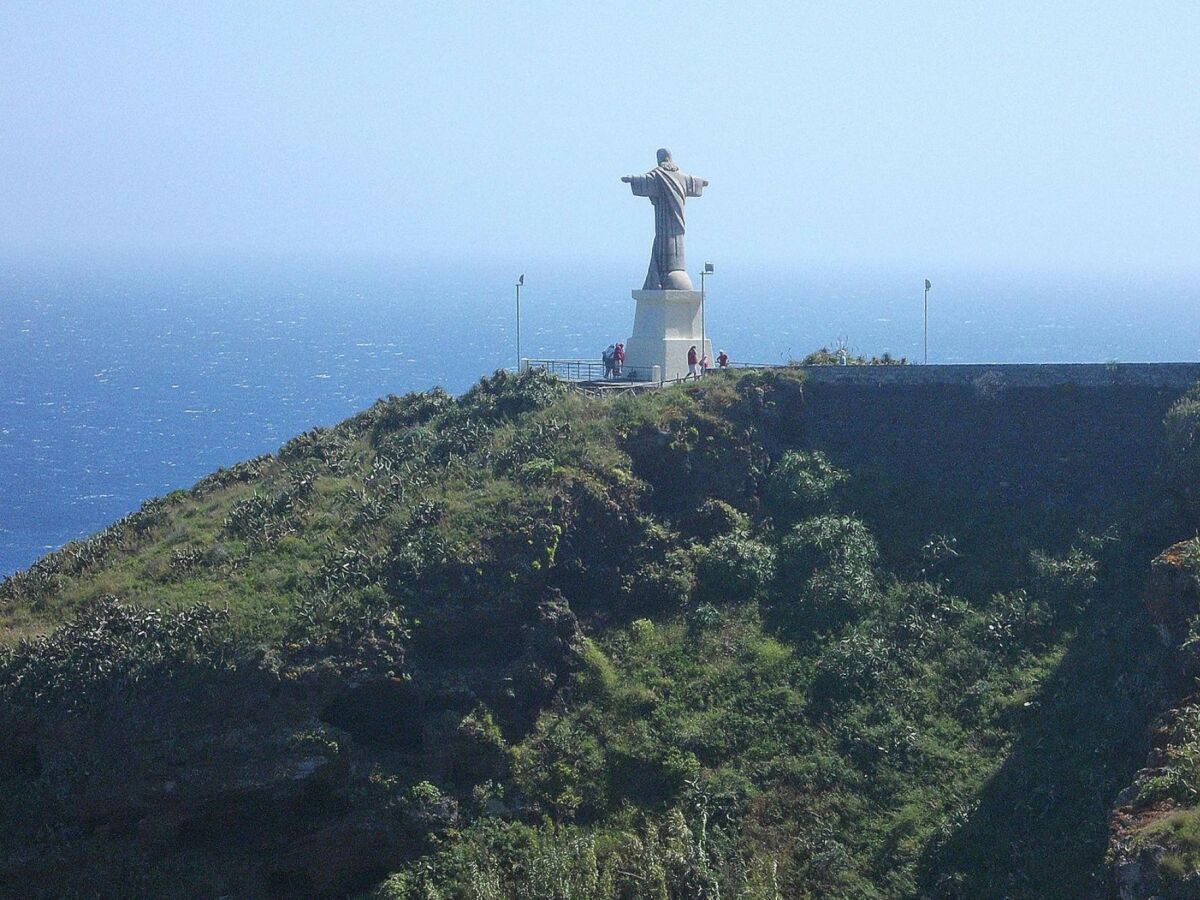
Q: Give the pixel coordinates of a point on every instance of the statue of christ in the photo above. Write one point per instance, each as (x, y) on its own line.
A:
(667, 189)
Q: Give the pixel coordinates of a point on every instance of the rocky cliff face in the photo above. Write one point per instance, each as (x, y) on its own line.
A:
(259, 774)
(1153, 851)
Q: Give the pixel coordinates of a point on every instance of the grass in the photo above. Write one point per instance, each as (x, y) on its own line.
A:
(1179, 835)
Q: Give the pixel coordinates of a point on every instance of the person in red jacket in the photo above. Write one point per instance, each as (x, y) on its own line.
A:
(618, 360)
(693, 362)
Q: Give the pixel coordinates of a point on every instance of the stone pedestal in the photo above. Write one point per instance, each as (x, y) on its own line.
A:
(665, 325)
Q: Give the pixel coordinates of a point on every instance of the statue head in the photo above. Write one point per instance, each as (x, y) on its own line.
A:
(664, 160)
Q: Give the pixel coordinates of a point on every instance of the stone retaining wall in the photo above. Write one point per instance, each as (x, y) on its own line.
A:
(1075, 442)
(1179, 376)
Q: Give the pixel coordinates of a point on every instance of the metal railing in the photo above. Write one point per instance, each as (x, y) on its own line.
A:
(591, 370)
(569, 369)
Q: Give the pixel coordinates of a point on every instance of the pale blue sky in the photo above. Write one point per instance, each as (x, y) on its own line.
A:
(1047, 135)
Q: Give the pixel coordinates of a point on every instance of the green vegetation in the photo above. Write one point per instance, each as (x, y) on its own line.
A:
(841, 357)
(524, 643)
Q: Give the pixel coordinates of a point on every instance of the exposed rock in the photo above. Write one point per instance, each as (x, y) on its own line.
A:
(1141, 843)
(1173, 594)
(262, 778)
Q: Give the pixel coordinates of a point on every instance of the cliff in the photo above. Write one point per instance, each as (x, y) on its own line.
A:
(772, 635)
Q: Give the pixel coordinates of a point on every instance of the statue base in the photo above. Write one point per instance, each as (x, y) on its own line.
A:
(665, 325)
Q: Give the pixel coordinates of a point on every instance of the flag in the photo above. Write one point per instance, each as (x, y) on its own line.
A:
(521, 280)
(927, 284)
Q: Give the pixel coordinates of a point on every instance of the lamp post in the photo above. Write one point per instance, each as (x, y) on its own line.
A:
(707, 270)
(928, 285)
(520, 284)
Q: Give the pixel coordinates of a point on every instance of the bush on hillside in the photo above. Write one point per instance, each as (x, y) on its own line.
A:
(840, 357)
(714, 517)
(733, 568)
(506, 396)
(1066, 580)
(1014, 621)
(659, 585)
(825, 575)
(395, 413)
(109, 648)
(801, 484)
(1182, 425)
(562, 768)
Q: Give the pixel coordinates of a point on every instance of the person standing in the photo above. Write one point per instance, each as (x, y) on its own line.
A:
(693, 362)
(607, 358)
(618, 360)
(722, 360)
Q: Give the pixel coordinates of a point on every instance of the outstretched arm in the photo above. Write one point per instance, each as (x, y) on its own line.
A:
(639, 184)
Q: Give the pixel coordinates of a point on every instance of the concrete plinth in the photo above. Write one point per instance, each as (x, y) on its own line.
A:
(665, 325)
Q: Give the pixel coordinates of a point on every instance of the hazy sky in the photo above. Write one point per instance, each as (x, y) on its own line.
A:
(1061, 135)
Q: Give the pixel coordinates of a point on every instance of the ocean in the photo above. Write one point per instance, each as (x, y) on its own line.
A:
(122, 382)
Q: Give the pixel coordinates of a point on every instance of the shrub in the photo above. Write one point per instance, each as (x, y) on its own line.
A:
(598, 677)
(394, 413)
(505, 395)
(842, 357)
(659, 585)
(1065, 580)
(363, 624)
(704, 617)
(328, 447)
(1014, 620)
(713, 518)
(733, 568)
(470, 750)
(849, 666)
(826, 572)
(109, 648)
(426, 808)
(801, 484)
(1182, 425)
(536, 471)
(533, 443)
(562, 768)
(1178, 777)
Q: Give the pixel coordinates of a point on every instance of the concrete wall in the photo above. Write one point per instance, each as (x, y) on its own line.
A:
(1073, 442)
(1173, 376)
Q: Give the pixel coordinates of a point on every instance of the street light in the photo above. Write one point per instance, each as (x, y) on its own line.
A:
(520, 283)
(928, 285)
(707, 270)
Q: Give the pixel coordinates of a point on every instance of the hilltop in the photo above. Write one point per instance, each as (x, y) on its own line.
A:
(723, 639)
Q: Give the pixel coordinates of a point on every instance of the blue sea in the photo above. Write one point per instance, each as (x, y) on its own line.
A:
(122, 382)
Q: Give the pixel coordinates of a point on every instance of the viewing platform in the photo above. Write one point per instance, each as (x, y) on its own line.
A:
(590, 374)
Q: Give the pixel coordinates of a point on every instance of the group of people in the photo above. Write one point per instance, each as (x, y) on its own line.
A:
(613, 358)
(698, 365)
